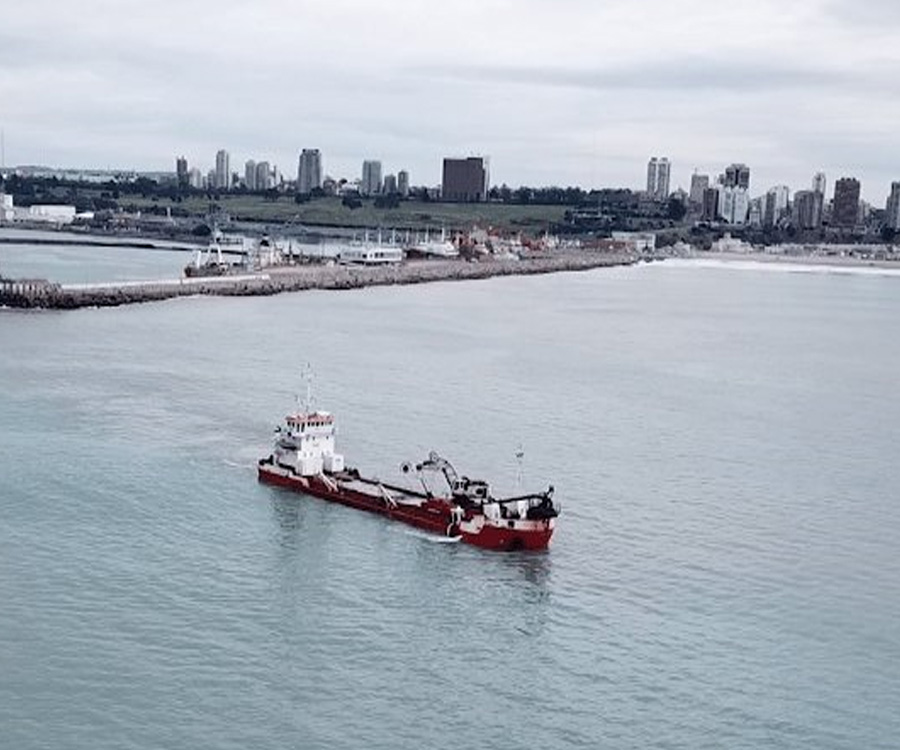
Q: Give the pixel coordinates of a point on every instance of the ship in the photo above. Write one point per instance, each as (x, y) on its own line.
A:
(433, 248)
(211, 263)
(367, 253)
(303, 459)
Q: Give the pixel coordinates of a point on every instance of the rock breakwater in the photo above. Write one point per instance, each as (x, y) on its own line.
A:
(43, 294)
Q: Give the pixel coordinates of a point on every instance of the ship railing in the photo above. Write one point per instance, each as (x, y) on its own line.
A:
(387, 496)
(328, 482)
(533, 498)
(523, 505)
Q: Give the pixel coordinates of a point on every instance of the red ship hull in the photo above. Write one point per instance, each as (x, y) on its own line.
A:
(431, 514)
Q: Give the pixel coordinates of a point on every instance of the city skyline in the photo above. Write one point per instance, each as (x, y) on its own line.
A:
(704, 86)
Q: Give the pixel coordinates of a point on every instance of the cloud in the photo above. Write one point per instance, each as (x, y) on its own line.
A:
(876, 14)
(694, 73)
(567, 92)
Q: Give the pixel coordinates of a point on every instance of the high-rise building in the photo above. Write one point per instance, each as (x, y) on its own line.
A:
(390, 184)
(845, 209)
(195, 178)
(371, 178)
(737, 175)
(403, 182)
(465, 180)
(755, 213)
(263, 176)
(711, 204)
(892, 210)
(819, 183)
(223, 171)
(250, 175)
(658, 172)
(181, 172)
(808, 209)
(776, 205)
(770, 212)
(309, 171)
(699, 183)
(734, 204)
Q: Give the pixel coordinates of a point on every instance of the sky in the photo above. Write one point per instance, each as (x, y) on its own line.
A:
(555, 92)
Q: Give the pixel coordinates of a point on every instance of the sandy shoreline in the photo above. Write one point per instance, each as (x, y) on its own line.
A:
(837, 261)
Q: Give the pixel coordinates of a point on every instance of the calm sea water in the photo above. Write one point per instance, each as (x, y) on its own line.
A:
(726, 571)
(83, 264)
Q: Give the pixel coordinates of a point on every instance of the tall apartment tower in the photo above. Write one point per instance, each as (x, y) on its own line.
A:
(819, 183)
(737, 175)
(734, 204)
(710, 211)
(776, 204)
(465, 180)
(658, 172)
(309, 171)
(195, 178)
(371, 178)
(892, 210)
(250, 175)
(263, 176)
(808, 206)
(403, 183)
(223, 170)
(699, 183)
(845, 209)
(181, 172)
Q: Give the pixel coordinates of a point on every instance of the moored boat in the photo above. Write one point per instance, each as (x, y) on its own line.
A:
(303, 459)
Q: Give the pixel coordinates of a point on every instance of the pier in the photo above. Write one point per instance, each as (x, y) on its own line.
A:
(42, 294)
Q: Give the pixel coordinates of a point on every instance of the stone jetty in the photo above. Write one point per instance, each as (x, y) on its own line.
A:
(36, 293)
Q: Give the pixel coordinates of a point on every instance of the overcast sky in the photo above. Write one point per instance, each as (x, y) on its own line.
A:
(554, 91)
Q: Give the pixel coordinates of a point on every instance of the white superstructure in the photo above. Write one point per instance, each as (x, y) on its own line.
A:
(306, 444)
(370, 253)
(441, 248)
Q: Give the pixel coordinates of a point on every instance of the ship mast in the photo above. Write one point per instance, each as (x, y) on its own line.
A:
(520, 474)
(307, 376)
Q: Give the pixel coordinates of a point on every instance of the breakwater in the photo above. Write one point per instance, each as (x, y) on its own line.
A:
(44, 294)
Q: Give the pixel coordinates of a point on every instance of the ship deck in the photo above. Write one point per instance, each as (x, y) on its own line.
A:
(377, 489)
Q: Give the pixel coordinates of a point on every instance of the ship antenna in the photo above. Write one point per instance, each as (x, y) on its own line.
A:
(308, 377)
(520, 457)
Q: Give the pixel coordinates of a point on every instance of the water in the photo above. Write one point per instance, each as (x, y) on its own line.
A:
(85, 264)
(92, 264)
(725, 571)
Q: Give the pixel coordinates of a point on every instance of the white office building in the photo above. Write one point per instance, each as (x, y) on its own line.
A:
(7, 209)
(734, 205)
